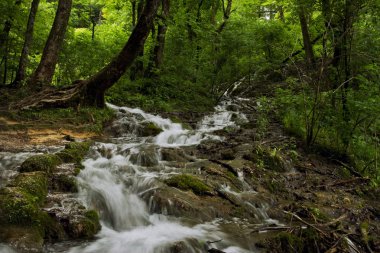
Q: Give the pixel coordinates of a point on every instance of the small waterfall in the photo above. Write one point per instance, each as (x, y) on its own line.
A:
(9, 163)
(118, 173)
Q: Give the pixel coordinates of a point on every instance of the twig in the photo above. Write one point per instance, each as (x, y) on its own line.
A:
(209, 242)
(305, 222)
(352, 170)
(260, 230)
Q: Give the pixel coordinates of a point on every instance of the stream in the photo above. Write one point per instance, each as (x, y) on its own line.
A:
(122, 173)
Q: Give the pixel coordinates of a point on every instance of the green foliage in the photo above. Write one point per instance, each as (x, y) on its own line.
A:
(356, 138)
(189, 182)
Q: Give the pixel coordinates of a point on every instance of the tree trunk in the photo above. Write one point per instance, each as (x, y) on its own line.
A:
(306, 37)
(20, 75)
(226, 15)
(158, 51)
(138, 69)
(91, 92)
(4, 36)
(45, 70)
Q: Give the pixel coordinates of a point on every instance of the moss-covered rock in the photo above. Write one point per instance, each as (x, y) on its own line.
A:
(23, 239)
(84, 226)
(33, 183)
(53, 230)
(149, 129)
(17, 206)
(46, 163)
(64, 183)
(189, 182)
(74, 152)
(270, 159)
(174, 155)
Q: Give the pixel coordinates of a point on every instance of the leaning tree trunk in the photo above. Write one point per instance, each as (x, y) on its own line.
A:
(43, 75)
(91, 92)
(20, 74)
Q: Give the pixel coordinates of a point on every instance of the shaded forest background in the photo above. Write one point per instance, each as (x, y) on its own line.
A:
(315, 63)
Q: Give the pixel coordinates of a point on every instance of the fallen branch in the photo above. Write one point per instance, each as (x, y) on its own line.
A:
(306, 223)
(264, 229)
(352, 170)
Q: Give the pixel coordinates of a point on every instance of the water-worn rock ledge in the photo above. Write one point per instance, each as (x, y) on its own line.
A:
(32, 210)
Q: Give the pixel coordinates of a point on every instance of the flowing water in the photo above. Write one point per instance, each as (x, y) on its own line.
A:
(121, 174)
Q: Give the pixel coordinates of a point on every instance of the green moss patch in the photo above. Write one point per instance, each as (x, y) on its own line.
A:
(74, 152)
(18, 206)
(85, 226)
(46, 163)
(270, 159)
(189, 182)
(33, 183)
(150, 129)
(64, 183)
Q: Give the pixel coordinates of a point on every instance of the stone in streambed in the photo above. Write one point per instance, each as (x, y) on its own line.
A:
(189, 182)
(74, 152)
(46, 163)
(149, 129)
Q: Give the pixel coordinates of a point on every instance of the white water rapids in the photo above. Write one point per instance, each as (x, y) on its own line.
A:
(120, 176)
(115, 178)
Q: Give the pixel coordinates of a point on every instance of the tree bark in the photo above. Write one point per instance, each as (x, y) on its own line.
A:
(158, 51)
(226, 15)
(20, 74)
(138, 68)
(43, 75)
(306, 37)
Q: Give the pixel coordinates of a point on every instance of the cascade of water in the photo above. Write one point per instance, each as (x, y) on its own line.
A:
(117, 174)
(9, 163)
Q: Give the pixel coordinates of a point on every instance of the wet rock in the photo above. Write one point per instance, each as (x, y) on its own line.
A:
(174, 154)
(64, 183)
(74, 152)
(46, 163)
(189, 182)
(149, 129)
(33, 183)
(70, 216)
(232, 108)
(146, 157)
(22, 239)
(17, 206)
(83, 226)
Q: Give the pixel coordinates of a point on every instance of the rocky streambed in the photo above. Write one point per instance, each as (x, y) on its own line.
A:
(152, 185)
